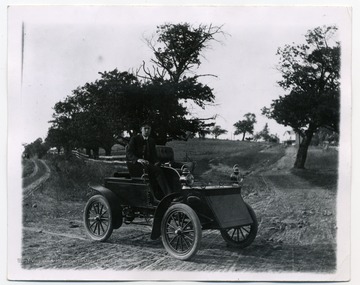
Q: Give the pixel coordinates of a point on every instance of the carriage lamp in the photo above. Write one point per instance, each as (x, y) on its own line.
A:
(185, 169)
(186, 177)
(235, 176)
(145, 176)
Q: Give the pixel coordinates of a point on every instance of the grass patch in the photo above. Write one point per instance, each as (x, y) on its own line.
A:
(320, 159)
(197, 149)
(321, 168)
(213, 158)
(320, 178)
(70, 178)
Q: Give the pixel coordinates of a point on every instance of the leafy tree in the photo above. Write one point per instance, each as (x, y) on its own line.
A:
(158, 101)
(66, 130)
(310, 74)
(55, 138)
(161, 103)
(205, 129)
(101, 112)
(274, 138)
(177, 50)
(218, 131)
(263, 134)
(116, 100)
(245, 126)
(266, 136)
(323, 136)
(36, 148)
(94, 114)
(61, 133)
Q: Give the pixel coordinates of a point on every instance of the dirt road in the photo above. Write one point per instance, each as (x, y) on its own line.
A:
(297, 233)
(41, 172)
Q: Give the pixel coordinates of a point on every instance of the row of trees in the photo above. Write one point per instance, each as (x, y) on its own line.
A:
(246, 126)
(110, 109)
(99, 113)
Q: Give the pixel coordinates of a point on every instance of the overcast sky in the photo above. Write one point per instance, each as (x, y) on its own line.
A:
(65, 47)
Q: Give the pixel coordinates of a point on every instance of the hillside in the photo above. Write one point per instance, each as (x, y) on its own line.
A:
(296, 211)
(215, 158)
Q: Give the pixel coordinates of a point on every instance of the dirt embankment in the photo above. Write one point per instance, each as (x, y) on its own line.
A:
(297, 232)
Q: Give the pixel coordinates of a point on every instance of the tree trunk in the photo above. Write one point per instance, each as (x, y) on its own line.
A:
(303, 149)
(107, 151)
(88, 151)
(243, 138)
(67, 151)
(96, 152)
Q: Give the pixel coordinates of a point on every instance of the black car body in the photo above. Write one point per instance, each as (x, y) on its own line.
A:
(179, 217)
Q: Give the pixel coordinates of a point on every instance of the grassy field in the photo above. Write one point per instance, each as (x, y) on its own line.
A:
(320, 168)
(318, 158)
(214, 160)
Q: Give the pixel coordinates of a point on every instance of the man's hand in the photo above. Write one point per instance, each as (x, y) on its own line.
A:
(143, 161)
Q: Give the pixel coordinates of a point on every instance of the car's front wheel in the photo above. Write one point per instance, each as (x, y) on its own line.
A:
(98, 218)
(181, 231)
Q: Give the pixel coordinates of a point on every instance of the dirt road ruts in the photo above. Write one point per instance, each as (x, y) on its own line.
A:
(39, 175)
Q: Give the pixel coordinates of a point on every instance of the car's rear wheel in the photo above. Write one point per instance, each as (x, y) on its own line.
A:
(181, 231)
(98, 218)
(242, 236)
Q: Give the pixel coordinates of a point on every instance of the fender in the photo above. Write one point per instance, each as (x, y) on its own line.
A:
(115, 205)
(160, 212)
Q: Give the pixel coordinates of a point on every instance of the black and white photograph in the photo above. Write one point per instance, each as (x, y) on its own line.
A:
(179, 143)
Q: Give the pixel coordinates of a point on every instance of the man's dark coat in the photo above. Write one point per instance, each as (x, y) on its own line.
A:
(138, 147)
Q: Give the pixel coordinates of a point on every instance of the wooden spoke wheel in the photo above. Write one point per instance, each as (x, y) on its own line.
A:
(181, 231)
(242, 236)
(98, 218)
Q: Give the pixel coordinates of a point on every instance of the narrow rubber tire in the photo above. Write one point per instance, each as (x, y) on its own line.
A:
(181, 231)
(98, 218)
(242, 236)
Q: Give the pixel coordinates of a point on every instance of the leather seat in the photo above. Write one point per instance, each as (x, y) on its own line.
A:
(166, 154)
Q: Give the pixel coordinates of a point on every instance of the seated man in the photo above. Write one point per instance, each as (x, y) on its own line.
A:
(141, 151)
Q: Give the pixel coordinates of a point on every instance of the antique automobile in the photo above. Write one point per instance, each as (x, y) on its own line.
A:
(180, 217)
